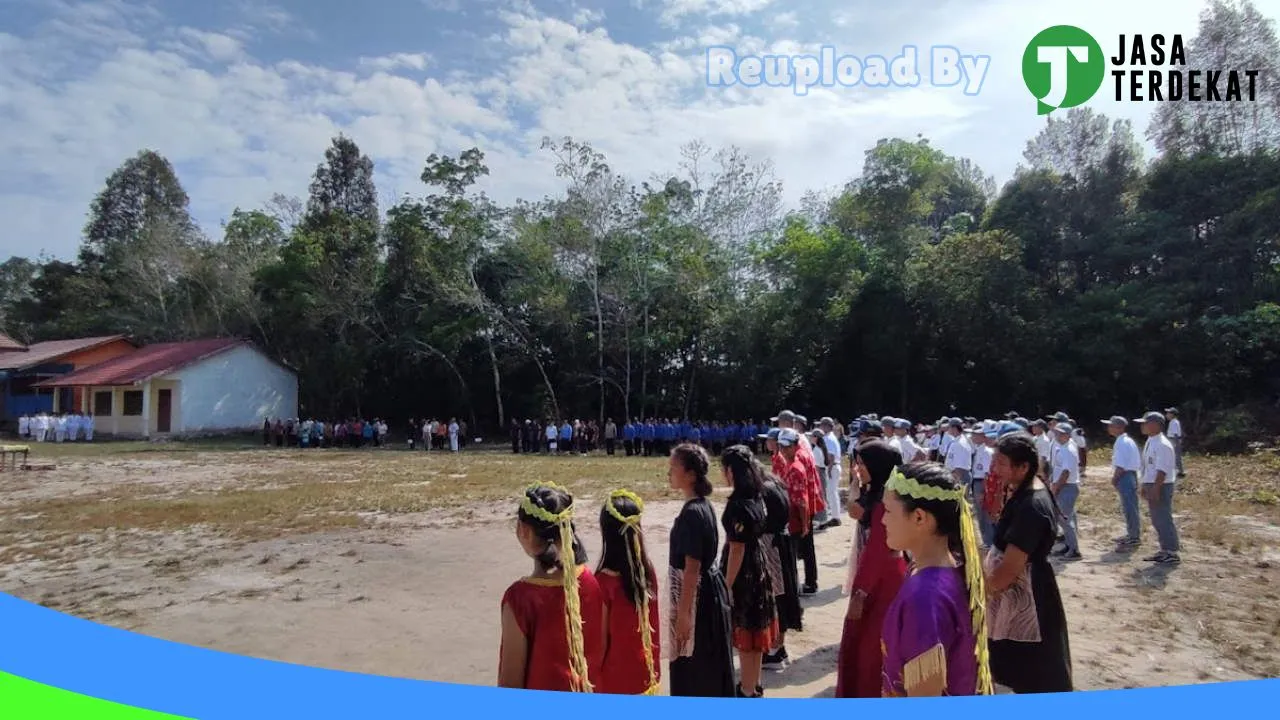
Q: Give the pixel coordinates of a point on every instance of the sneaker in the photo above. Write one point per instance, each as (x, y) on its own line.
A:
(809, 590)
(1072, 557)
(1169, 559)
(1158, 557)
(833, 523)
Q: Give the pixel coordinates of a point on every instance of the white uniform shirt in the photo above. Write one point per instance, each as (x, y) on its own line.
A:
(1175, 429)
(24, 425)
(982, 462)
(1125, 455)
(909, 449)
(960, 454)
(1068, 461)
(833, 450)
(1157, 456)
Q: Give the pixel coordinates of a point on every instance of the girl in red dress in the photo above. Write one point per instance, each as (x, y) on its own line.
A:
(629, 586)
(552, 631)
(880, 573)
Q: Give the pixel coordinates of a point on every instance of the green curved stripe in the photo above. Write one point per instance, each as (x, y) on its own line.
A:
(22, 699)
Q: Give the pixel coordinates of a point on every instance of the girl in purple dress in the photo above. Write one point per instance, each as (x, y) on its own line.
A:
(934, 637)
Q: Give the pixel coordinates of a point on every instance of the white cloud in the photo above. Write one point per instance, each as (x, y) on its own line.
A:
(396, 61)
(85, 90)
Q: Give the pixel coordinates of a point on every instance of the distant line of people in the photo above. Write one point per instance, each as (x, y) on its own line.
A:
(50, 427)
(651, 438)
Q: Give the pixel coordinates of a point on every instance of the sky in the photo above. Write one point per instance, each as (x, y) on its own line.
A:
(244, 97)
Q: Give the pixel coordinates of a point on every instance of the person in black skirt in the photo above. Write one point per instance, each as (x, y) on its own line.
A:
(1030, 650)
(698, 611)
(754, 620)
(781, 558)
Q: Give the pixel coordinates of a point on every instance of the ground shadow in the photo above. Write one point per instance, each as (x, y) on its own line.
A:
(826, 692)
(1153, 576)
(1118, 556)
(823, 597)
(810, 667)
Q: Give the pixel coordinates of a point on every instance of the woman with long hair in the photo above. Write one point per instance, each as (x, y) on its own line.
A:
(743, 562)
(551, 629)
(701, 636)
(879, 574)
(629, 586)
(1030, 650)
(935, 631)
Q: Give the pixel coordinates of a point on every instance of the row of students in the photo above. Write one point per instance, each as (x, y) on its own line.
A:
(44, 427)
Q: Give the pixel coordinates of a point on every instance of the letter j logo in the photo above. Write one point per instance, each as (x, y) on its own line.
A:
(1063, 67)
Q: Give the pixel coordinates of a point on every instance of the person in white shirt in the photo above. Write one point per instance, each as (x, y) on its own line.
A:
(946, 437)
(1175, 436)
(1159, 468)
(1044, 448)
(933, 442)
(959, 453)
(453, 435)
(1066, 489)
(60, 428)
(911, 452)
(24, 427)
(1126, 463)
(88, 427)
(1082, 445)
(982, 453)
(835, 470)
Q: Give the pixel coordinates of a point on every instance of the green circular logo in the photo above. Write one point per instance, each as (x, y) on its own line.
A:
(1063, 67)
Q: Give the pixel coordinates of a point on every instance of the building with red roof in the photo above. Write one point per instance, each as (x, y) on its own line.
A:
(199, 386)
(23, 368)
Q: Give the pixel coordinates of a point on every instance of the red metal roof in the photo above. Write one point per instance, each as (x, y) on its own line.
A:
(148, 362)
(46, 352)
(8, 343)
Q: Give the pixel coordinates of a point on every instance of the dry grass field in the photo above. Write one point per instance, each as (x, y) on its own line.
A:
(391, 562)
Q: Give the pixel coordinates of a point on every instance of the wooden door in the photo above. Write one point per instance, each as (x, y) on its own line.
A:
(164, 411)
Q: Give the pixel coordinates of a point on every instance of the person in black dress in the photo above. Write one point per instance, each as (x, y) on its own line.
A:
(698, 611)
(782, 567)
(1030, 651)
(743, 562)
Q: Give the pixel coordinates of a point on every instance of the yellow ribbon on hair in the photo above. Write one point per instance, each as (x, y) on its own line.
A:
(579, 679)
(639, 580)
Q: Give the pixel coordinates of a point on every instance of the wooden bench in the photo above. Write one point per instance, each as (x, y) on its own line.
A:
(7, 451)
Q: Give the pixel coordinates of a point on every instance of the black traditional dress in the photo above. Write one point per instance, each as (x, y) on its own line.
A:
(781, 556)
(702, 667)
(755, 623)
(1030, 652)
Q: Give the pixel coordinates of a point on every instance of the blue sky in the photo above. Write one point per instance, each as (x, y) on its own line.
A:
(243, 97)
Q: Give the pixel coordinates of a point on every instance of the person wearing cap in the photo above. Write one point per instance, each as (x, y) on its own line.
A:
(1044, 448)
(821, 461)
(789, 420)
(933, 441)
(1082, 446)
(982, 452)
(835, 471)
(1159, 475)
(1126, 462)
(911, 452)
(959, 453)
(1175, 436)
(1065, 487)
(805, 499)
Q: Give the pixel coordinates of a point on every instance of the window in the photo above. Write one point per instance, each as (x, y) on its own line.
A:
(132, 403)
(102, 403)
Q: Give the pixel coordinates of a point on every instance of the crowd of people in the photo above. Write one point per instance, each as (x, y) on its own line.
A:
(56, 427)
(951, 589)
(429, 434)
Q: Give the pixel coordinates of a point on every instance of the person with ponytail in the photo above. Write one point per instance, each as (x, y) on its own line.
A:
(1030, 649)
(701, 647)
(552, 634)
(629, 587)
(935, 632)
(745, 566)
(879, 573)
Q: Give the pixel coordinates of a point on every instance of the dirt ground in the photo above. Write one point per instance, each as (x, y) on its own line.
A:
(393, 563)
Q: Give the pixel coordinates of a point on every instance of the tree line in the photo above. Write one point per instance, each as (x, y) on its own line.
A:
(1095, 279)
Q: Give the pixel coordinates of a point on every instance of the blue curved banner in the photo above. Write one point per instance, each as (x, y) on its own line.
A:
(43, 651)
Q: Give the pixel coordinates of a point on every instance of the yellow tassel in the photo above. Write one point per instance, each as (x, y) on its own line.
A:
(641, 583)
(580, 679)
(926, 666)
(975, 579)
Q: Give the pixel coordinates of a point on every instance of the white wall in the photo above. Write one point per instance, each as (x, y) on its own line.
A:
(233, 390)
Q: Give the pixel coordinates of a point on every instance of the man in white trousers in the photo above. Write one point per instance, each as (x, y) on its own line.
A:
(835, 471)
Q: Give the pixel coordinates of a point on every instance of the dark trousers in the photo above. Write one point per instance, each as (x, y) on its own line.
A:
(515, 446)
(809, 556)
(608, 446)
(627, 445)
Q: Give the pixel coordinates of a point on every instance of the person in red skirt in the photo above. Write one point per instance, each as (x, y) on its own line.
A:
(629, 586)
(552, 634)
(743, 562)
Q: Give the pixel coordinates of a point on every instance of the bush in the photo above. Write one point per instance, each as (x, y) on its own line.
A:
(1233, 430)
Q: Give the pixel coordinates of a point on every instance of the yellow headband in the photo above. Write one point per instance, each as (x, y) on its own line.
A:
(632, 521)
(907, 487)
(533, 511)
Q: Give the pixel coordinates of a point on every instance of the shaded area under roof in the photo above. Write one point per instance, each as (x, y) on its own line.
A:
(8, 344)
(146, 363)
